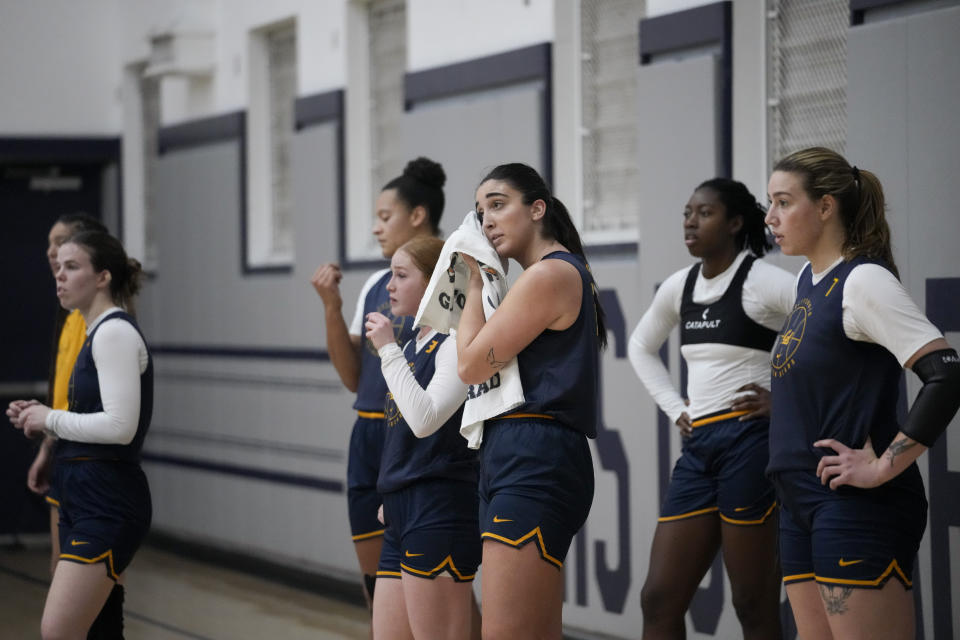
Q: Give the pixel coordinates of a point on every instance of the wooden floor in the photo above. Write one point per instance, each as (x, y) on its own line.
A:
(170, 598)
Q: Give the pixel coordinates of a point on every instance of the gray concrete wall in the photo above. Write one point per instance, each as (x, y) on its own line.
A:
(269, 414)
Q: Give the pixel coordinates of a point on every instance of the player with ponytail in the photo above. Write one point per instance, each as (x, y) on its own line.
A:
(536, 472)
(853, 503)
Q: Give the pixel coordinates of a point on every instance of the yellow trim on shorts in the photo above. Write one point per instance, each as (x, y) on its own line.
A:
(433, 572)
(799, 577)
(525, 415)
(389, 574)
(52, 502)
(762, 519)
(702, 422)
(371, 414)
(894, 565)
(682, 516)
(106, 556)
(364, 536)
(521, 540)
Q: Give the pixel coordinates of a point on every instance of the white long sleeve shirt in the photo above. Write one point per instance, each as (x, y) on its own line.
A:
(356, 323)
(716, 371)
(878, 309)
(120, 356)
(425, 410)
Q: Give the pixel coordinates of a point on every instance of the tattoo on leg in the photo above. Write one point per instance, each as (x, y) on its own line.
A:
(493, 362)
(897, 447)
(835, 598)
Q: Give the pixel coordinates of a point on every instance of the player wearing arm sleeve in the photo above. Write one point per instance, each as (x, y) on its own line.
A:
(854, 508)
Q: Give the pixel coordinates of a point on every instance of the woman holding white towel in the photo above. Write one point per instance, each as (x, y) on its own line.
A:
(428, 476)
(536, 472)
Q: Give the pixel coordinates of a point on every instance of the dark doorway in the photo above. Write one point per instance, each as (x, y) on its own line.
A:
(32, 196)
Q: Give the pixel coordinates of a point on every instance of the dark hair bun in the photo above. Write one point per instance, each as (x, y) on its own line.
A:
(426, 171)
(106, 253)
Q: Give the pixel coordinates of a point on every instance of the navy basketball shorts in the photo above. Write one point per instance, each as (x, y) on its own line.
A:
(536, 485)
(363, 468)
(849, 537)
(721, 469)
(105, 512)
(431, 530)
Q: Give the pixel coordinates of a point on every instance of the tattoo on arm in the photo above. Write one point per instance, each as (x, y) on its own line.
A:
(835, 598)
(493, 362)
(897, 447)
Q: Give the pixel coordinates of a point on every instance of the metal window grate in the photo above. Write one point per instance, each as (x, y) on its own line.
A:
(807, 75)
(282, 75)
(388, 60)
(610, 51)
(150, 121)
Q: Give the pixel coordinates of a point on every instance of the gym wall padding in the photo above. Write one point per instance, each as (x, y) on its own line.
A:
(227, 416)
(903, 97)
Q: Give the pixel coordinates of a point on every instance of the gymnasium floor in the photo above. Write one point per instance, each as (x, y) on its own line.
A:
(170, 598)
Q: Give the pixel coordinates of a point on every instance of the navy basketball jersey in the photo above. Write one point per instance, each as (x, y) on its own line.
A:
(560, 370)
(442, 454)
(371, 387)
(84, 397)
(723, 321)
(825, 385)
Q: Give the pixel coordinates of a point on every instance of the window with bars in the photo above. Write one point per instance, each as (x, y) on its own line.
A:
(806, 75)
(282, 82)
(150, 125)
(388, 58)
(610, 54)
(269, 139)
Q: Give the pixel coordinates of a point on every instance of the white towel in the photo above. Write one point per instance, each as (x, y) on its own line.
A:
(442, 305)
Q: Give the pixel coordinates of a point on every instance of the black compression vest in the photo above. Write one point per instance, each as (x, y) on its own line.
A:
(723, 321)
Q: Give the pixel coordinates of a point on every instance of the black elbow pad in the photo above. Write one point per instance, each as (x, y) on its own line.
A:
(938, 400)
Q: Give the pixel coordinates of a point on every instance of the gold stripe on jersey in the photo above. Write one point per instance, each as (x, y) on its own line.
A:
(524, 415)
(799, 577)
(370, 414)
(762, 519)
(371, 534)
(894, 566)
(691, 514)
(702, 422)
(106, 557)
(446, 564)
(523, 539)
